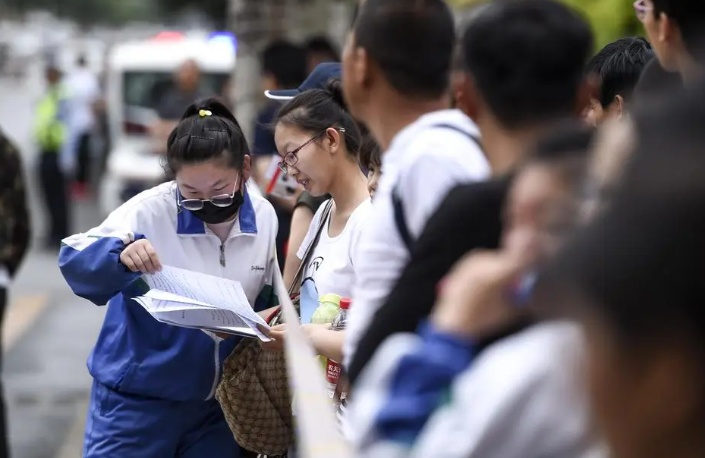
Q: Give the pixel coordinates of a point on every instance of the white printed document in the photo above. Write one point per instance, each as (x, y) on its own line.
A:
(189, 299)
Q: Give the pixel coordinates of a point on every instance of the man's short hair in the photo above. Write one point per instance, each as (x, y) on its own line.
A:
(619, 66)
(322, 45)
(689, 15)
(286, 62)
(411, 41)
(639, 263)
(527, 58)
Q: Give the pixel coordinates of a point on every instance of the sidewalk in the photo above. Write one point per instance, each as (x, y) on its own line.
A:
(48, 334)
(73, 447)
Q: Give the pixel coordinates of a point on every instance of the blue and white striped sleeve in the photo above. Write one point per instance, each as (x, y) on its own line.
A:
(90, 261)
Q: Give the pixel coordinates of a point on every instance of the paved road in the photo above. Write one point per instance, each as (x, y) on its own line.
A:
(48, 332)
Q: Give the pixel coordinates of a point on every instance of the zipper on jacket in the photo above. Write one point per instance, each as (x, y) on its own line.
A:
(222, 254)
(216, 378)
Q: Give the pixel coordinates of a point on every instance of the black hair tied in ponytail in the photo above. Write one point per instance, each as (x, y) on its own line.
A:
(334, 88)
(207, 130)
(318, 109)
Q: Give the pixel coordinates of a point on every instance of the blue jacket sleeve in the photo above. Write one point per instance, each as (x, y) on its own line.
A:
(421, 382)
(90, 261)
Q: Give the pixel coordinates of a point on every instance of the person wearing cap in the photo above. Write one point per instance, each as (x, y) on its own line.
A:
(306, 205)
(318, 78)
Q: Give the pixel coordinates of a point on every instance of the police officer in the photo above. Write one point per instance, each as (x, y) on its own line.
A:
(50, 135)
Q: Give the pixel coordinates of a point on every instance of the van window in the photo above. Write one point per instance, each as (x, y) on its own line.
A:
(145, 89)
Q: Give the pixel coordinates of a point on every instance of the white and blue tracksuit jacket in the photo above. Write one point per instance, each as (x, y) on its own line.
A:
(429, 395)
(135, 353)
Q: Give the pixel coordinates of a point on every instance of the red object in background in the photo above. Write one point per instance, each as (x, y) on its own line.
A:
(79, 191)
(273, 182)
(134, 128)
(169, 36)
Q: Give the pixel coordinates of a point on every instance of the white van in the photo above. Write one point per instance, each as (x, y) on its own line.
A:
(137, 75)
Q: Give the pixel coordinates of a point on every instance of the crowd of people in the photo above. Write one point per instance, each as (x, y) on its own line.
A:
(515, 218)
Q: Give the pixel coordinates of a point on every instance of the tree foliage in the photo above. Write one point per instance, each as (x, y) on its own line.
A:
(86, 12)
(610, 19)
(215, 10)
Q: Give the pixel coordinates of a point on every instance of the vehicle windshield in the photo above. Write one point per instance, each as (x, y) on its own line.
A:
(145, 89)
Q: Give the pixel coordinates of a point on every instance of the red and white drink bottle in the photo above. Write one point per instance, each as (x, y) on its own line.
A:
(333, 367)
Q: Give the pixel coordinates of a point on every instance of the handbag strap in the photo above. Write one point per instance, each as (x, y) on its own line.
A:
(296, 282)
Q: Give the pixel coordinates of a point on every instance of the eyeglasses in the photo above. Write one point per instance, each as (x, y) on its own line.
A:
(641, 9)
(292, 157)
(222, 200)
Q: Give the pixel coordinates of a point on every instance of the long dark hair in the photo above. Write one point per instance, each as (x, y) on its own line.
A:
(316, 110)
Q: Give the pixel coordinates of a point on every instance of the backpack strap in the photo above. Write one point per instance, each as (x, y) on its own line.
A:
(464, 132)
(400, 219)
(398, 205)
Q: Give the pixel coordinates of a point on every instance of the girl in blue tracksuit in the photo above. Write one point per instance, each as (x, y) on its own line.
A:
(153, 383)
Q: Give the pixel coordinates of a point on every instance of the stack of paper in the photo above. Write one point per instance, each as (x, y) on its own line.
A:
(194, 300)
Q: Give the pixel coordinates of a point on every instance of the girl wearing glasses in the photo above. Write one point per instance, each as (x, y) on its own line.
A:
(319, 143)
(154, 384)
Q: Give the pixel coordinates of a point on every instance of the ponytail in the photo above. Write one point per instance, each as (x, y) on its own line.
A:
(207, 130)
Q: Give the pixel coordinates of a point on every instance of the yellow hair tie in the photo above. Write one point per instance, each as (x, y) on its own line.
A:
(204, 113)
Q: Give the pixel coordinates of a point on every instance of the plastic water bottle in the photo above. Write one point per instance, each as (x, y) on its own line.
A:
(333, 367)
(328, 306)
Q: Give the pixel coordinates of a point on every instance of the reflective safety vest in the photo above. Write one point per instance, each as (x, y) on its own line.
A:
(50, 120)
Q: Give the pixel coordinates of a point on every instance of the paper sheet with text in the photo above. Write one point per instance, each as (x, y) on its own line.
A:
(195, 300)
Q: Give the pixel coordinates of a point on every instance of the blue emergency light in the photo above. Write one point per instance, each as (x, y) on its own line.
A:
(225, 38)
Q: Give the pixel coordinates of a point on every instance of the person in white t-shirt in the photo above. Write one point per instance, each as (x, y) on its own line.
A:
(396, 75)
(319, 143)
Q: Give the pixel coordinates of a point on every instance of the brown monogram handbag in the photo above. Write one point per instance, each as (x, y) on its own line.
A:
(254, 390)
